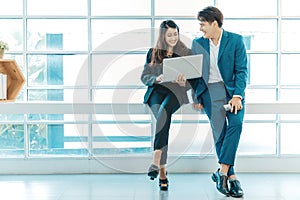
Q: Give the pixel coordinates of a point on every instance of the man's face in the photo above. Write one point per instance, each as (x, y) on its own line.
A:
(208, 29)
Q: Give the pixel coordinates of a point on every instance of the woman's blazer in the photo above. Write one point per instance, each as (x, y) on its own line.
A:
(149, 75)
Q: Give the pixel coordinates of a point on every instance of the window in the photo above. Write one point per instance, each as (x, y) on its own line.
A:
(69, 54)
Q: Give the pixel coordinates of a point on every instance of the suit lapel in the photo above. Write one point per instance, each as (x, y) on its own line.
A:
(224, 41)
(206, 45)
(206, 61)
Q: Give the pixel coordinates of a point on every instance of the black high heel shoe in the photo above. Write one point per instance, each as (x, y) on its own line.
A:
(153, 171)
(163, 184)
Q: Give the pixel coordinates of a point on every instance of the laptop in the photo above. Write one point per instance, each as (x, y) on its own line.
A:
(190, 66)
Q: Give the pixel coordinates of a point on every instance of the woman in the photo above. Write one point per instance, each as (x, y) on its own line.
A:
(164, 98)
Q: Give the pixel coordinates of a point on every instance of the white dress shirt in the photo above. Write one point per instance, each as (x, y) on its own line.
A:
(214, 72)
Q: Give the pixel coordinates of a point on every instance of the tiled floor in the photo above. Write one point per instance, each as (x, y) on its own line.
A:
(139, 187)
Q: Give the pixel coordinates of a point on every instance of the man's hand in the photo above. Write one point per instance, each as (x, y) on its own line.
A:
(236, 104)
(198, 106)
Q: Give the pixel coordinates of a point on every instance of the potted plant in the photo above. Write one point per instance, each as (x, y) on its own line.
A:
(3, 47)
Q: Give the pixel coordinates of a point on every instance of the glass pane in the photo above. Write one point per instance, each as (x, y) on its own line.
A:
(11, 140)
(57, 7)
(12, 34)
(7, 118)
(125, 68)
(291, 117)
(58, 117)
(290, 69)
(58, 139)
(121, 138)
(259, 66)
(191, 139)
(238, 8)
(259, 117)
(111, 118)
(120, 35)
(65, 95)
(289, 7)
(119, 95)
(290, 35)
(11, 7)
(290, 138)
(57, 34)
(290, 95)
(57, 70)
(121, 7)
(181, 117)
(259, 35)
(181, 8)
(267, 95)
(258, 139)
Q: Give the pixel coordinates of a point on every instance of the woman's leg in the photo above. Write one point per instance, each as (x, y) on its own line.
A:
(169, 106)
(154, 103)
(163, 113)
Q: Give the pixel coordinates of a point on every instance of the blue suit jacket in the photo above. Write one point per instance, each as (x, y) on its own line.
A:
(232, 63)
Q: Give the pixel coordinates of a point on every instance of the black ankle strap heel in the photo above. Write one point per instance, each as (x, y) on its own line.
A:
(153, 171)
(164, 184)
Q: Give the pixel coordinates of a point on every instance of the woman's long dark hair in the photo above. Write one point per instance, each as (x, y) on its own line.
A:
(160, 50)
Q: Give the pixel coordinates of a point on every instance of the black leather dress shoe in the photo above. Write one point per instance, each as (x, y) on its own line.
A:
(221, 182)
(235, 189)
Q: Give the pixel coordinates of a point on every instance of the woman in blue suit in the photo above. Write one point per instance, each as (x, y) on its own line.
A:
(164, 98)
(224, 79)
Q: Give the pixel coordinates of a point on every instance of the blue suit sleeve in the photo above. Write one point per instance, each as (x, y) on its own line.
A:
(241, 70)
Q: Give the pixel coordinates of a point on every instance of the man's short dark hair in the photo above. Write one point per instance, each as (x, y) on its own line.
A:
(210, 14)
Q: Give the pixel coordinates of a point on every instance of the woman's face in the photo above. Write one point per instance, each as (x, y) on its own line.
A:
(171, 37)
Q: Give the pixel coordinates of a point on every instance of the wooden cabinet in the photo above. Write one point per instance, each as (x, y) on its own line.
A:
(15, 78)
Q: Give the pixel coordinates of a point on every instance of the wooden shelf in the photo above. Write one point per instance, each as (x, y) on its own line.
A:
(15, 78)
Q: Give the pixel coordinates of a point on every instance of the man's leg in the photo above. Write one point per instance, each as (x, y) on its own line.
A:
(231, 139)
(213, 100)
(229, 149)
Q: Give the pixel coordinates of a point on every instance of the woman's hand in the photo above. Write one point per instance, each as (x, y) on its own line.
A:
(181, 80)
(159, 78)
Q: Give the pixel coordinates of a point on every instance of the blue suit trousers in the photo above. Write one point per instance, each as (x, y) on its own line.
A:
(226, 126)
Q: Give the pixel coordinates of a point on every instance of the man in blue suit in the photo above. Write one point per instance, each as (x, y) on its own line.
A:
(223, 81)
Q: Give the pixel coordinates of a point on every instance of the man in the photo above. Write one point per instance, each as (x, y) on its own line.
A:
(223, 81)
